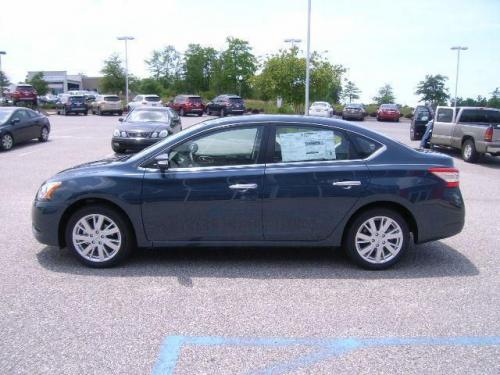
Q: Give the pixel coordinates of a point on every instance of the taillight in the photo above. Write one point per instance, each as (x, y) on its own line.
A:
(449, 175)
(488, 136)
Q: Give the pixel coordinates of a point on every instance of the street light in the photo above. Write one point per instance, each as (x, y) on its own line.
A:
(126, 39)
(240, 79)
(293, 41)
(1, 86)
(308, 55)
(458, 49)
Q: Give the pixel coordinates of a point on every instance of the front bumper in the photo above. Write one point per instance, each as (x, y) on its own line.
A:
(45, 218)
(134, 143)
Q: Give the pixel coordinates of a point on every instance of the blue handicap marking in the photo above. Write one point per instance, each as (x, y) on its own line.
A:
(323, 348)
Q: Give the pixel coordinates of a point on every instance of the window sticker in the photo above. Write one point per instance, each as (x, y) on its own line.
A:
(304, 146)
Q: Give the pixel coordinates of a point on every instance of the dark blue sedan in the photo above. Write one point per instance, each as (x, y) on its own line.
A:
(255, 181)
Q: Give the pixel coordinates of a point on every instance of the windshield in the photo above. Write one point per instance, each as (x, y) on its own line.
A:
(152, 98)
(148, 116)
(4, 115)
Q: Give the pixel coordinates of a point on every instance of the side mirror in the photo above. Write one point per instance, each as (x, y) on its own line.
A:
(15, 120)
(120, 119)
(162, 161)
(193, 148)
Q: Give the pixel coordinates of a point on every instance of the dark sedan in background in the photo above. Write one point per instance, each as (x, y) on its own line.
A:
(20, 125)
(143, 127)
(255, 181)
(224, 105)
(72, 104)
(354, 112)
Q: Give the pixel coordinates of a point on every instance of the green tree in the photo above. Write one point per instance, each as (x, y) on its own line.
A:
(432, 90)
(4, 82)
(149, 86)
(113, 80)
(351, 91)
(198, 67)
(385, 95)
(165, 65)
(234, 68)
(494, 101)
(39, 84)
(283, 75)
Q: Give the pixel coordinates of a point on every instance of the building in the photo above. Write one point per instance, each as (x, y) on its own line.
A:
(61, 81)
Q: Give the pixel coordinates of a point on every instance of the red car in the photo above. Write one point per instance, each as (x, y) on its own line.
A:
(388, 112)
(186, 104)
(23, 93)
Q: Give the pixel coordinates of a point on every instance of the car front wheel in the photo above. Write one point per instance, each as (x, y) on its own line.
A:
(98, 236)
(44, 134)
(377, 239)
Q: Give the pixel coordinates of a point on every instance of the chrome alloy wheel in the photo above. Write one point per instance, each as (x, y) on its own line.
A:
(468, 151)
(96, 238)
(379, 239)
(45, 134)
(7, 142)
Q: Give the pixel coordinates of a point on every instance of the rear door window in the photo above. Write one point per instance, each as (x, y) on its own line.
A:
(444, 115)
(152, 98)
(304, 143)
(112, 98)
(480, 116)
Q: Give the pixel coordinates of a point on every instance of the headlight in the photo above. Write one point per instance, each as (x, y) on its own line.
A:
(47, 190)
(116, 133)
(123, 134)
(163, 133)
(154, 135)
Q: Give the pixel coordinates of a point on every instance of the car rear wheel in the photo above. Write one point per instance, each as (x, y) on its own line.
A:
(44, 134)
(120, 113)
(99, 112)
(413, 136)
(377, 239)
(7, 142)
(99, 236)
(182, 113)
(469, 152)
(222, 113)
(208, 112)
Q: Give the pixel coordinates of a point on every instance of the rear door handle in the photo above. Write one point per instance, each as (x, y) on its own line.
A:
(243, 186)
(347, 184)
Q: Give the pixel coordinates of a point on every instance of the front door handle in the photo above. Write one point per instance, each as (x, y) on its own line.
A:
(243, 186)
(347, 184)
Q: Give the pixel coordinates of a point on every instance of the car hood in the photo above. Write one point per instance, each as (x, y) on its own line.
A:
(144, 126)
(92, 167)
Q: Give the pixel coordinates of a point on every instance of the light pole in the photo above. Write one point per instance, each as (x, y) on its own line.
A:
(293, 41)
(308, 55)
(1, 86)
(458, 49)
(126, 39)
(240, 79)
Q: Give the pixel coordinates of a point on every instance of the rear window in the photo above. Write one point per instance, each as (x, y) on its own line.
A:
(24, 88)
(152, 98)
(389, 106)
(74, 97)
(355, 106)
(194, 99)
(235, 100)
(480, 116)
(112, 98)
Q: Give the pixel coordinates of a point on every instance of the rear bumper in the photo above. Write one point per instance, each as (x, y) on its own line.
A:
(387, 116)
(349, 115)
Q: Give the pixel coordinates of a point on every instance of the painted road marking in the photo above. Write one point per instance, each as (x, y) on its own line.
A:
(324, 348)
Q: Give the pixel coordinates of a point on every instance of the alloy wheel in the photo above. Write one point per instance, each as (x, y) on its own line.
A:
(379, 239)
(45, 134)
(96, 237)
(7, 142)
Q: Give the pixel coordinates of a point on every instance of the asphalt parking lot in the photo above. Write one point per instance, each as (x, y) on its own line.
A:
(242, 311)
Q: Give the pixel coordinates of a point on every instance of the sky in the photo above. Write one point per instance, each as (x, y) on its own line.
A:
(379, 42)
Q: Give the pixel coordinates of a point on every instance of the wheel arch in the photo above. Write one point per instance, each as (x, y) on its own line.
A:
(75, 206)
(397, 207)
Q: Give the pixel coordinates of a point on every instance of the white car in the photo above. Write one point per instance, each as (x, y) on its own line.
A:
(322, 109)
(145, 101)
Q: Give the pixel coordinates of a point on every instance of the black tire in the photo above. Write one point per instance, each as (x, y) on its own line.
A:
(117, 149)
(357, 223)
(182, 113)
(200, 114)
(208, 111)
(99, 112)
(413, 136)
(44, 134)
(120, 113)
(125, 231)
(58, 112)
(378, 119)
(469, 152)
(86, 113)
(6, 142)
(222, 112)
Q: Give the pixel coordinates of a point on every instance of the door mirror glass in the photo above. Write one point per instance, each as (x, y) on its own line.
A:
(162, 161)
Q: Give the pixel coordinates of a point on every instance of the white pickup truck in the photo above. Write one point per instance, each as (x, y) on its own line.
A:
(473, 130)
